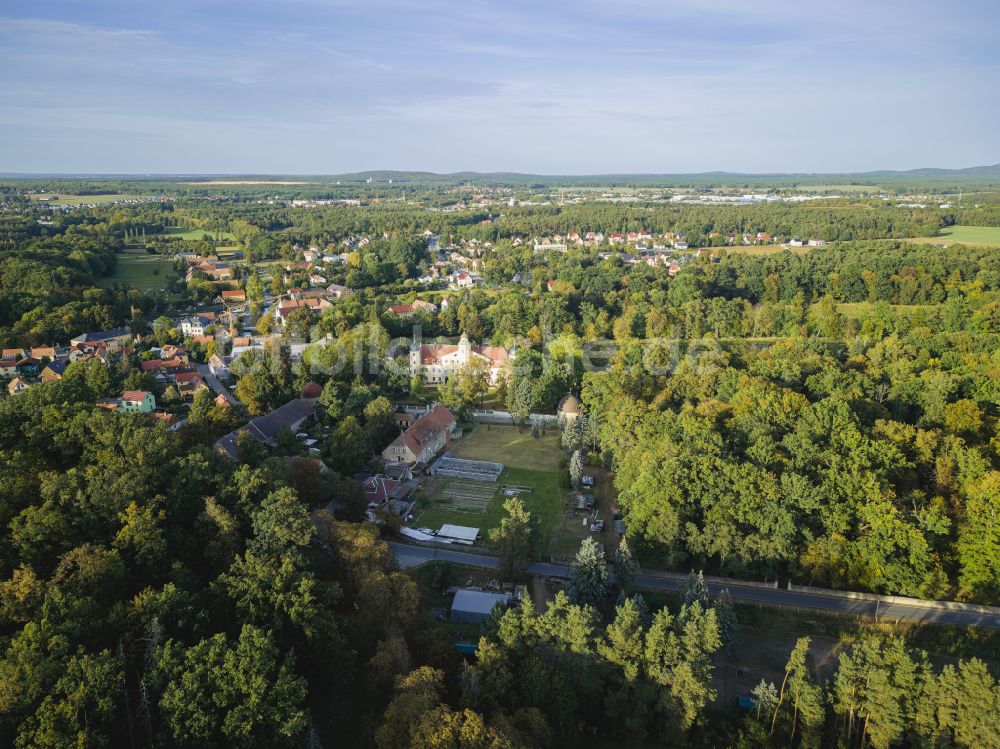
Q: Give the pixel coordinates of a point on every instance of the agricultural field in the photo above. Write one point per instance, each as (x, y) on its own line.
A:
(59, 199)
(177, 231)
(527, 462)
(140, 270)
(981, 236)
(867, 189)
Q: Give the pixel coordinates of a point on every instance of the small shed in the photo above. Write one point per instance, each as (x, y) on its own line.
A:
(474, 606)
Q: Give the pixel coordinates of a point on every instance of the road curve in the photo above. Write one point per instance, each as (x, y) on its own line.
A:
(413, 556)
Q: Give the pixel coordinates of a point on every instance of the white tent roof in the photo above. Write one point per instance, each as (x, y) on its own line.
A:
(461, 532)
(477, 601)
(419, 535)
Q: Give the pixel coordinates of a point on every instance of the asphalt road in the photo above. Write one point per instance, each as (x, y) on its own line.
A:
(413, 556)
(214, 383)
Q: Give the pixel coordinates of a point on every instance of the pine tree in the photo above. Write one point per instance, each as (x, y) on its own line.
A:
(575, 469)
(766, 695)
(800, 692)
(727, 620)
(625, 566)
(589, 582)
(873, 691)
(513, 538)
(644, 612)
(695, 590)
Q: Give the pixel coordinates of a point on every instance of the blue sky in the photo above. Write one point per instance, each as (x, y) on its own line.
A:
(327, 86)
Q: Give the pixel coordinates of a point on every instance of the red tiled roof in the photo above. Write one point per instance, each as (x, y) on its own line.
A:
(493, 353)
(431, 353)
(134, 396)
(438, 418)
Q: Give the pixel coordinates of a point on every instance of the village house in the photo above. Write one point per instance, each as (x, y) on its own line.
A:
(463, 281)
(218, 367)
(114, 340)
(424, 439)
(43, 352)
(438, 362)
(233, 296)
(53, 371)
(265, 428)
(137, 401)
(286, 308)
(401, 310)
(419, 305)
(194, 326)
(337, 291)
(17, 385)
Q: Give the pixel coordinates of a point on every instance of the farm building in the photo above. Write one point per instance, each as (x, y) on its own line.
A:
(474, 606)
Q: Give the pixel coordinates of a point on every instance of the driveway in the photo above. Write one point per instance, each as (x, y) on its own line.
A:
(213, 382)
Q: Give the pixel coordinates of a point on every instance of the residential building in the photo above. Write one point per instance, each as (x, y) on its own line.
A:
(265, 428)
(337, 291)
(17, 385)
(114, 340)
(233, 296)
(217, 366)
(53, 371)
(194, 326)
(424, 439)
(137, 401)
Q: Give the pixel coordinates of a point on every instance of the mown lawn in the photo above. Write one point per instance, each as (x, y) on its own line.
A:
(508, 445)
(176, 231)
(985, 236)
(140, 270)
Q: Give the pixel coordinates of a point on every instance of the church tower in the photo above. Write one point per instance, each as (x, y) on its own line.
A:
(464, 349)
(415, 356)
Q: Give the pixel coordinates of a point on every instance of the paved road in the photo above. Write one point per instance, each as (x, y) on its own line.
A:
(214, 383)
(413, 556)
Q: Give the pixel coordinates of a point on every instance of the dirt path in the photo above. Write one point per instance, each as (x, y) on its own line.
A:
(605, 492)
(540, 593)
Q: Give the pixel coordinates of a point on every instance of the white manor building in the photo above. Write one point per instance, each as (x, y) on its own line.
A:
(438, 362)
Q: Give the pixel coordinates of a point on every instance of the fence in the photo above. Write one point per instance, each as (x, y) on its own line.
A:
(724, 581)
(970, 608)
(505, 417)
(491, 416)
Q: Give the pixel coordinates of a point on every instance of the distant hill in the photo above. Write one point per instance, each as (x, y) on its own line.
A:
(978, 176)
(932, 178)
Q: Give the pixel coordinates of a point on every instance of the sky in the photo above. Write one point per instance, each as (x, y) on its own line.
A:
(539, 86)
